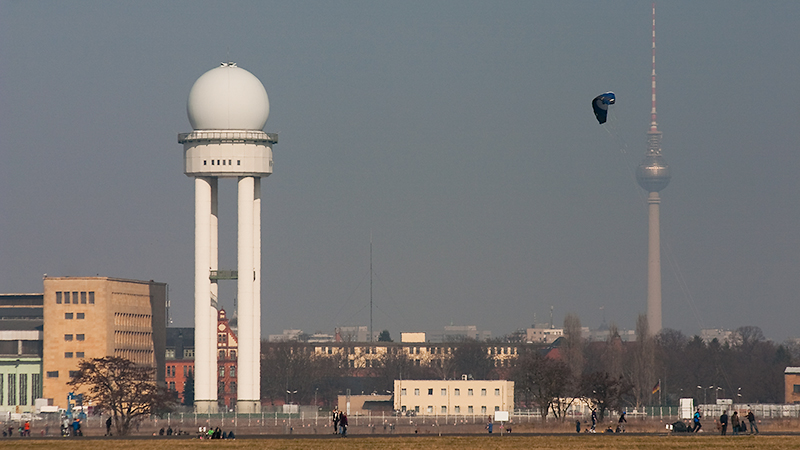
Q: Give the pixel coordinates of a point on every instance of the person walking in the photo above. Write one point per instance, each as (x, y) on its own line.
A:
(752, 419)
(723, 423)
(696, 421)
(621, 422)
(335, 420)
(735, 423)
(343, 423)
(594, 420)
(108, 426)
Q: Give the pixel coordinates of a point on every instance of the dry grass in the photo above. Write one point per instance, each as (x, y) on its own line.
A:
(559, 442)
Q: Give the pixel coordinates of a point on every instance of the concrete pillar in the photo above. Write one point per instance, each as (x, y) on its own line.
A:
(654, 265)
(247, 339)
(204, 247)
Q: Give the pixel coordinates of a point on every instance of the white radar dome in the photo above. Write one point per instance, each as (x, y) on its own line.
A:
(228, 98)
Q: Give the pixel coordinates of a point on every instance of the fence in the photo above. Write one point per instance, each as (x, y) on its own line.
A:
(319, 422)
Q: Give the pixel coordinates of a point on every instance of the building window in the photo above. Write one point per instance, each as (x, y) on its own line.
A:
(188, 353)
(12, 389)
(79, 354)
(483, 410)
(91, 298)
(233, 387)
(68, 316)
(403, 391)
(36, 386)
(233, 354)
(497, 392)
(221, 371)
(457, 409)
(456, 391)
(797, 388)
(66, 298)
(221, 338)
(67, 354)
(497, 408)
(430, 391)
(58, 297)
(430, 409)
(80, 316)
(169, 353)
(73, 373)
(53, 374)
(232, 371)
(416, 409)
(83, 298)
(483, 392)
(469, 391)
(80, 337)
(222, 354)
(221, 388)
(444, 391)
(238, 162)
(416, 391)
(23, 389)
(470, 409)
(172, 386)
(185, 373)
(67, 337)
(74, 298)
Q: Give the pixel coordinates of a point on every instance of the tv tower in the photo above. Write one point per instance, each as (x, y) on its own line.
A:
(653, 176)
(227, 108)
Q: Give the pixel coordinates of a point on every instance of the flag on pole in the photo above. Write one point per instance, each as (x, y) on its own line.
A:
(657, 387)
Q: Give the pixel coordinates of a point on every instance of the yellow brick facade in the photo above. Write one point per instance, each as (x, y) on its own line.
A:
(93, 317)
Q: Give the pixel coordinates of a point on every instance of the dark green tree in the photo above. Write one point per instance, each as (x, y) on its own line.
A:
(188, 390)
(384, 336)
(471, 357)
(604, 391)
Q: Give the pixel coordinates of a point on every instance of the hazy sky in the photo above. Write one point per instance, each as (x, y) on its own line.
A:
(458, 134)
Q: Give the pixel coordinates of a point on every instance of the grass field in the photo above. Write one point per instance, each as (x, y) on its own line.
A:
(592, 442)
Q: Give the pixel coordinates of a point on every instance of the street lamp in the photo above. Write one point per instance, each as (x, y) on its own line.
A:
(719, 388)
(290, 393)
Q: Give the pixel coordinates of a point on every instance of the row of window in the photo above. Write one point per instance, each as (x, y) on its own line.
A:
(20, 388)
(54, 374)
(456, 409)
(231, 372)
(78, 337)
(171, 372)
(76, 355)
(79, 316)
(231, 386)
(223, 162)
(188, 353)
(75, 297)
(456, 391)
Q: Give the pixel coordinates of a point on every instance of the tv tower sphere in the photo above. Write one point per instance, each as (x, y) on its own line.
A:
(653, 173)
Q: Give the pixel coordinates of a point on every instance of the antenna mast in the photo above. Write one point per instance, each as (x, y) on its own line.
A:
(653, 136)
(371, 336)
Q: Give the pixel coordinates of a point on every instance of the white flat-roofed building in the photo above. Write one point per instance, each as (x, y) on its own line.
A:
(453, 397)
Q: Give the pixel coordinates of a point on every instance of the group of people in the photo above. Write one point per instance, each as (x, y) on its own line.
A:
(339, 422)
(24, 430)
(209, 433)
(620, 424)
(737, 423)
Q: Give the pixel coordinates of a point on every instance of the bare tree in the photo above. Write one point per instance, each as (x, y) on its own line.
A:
(542, 382)
(642, 367)
(123, 389)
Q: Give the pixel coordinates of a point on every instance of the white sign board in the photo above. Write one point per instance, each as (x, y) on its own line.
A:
(687, 408)
(501, 416)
